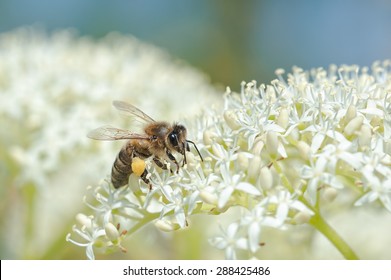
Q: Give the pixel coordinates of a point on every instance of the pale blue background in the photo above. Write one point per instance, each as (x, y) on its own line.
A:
(229, 40)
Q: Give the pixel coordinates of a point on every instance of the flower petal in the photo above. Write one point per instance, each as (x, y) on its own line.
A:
(248, 188)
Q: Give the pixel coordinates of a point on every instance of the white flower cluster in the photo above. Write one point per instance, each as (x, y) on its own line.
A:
(310, 136)
(277, 151)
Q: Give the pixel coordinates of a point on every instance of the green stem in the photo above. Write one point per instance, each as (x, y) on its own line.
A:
(148, 217)
(322, 226)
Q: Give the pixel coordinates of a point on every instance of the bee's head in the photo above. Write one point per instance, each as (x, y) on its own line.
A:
(178, 142)
(177, 139)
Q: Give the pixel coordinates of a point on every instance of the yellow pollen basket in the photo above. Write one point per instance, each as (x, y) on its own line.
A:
(138, 166)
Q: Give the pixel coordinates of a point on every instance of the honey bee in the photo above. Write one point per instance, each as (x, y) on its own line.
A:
(160, 140)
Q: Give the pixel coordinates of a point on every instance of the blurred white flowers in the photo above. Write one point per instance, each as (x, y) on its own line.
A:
(53, 90)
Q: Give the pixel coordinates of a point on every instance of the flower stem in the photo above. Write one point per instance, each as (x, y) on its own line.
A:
(148, 217)
(321, 225)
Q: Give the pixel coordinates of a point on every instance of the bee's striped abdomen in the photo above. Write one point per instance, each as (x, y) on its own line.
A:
(121, 169)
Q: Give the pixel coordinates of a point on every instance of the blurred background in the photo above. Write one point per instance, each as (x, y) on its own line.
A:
(229, 40)
(164, 54)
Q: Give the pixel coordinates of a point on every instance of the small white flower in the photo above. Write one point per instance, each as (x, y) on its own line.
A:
(111, 200)
(89, 237)
(230, 241)
(254, 221)
(343, 151)
(231, 183)
(111, 232)
(223, 155)
(175, 203)
(316, 174)
(378, 189)
(321, 131)
(284, 202)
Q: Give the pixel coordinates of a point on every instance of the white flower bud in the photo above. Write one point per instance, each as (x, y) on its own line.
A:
(111, 232)
(209, 137)
(231, 119)
(283, 118)
(242, 161)
(208, 197)
(330, 194)
(304, 149)
(365, 136)
(84, 221)
(266, 178)
(271, 142)
(279, 71)
(258, 146)
(166, 226)
(353, 125)
(302, 217)
(254, 167)
(351, 113)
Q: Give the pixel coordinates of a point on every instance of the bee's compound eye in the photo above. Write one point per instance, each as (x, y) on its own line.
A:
(173, 139)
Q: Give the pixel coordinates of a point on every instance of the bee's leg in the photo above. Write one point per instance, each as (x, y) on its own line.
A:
(173, 159)
(144, 177)
(161, 164)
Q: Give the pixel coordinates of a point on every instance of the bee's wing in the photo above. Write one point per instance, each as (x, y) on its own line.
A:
(132, 111)
(108, 132)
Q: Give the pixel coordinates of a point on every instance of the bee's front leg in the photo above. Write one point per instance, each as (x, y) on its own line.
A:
(144, 177)
(161, 164)
(173, 159)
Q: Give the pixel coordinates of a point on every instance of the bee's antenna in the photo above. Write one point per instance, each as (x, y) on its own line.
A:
(188, 141)
(184, 155)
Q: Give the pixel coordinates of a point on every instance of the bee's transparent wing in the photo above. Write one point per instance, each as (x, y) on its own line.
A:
(132, 111)
(108, 132)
